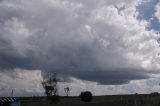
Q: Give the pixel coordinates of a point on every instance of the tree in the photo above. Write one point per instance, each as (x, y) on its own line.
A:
(49, 83)
(86, 96)
(67, 90)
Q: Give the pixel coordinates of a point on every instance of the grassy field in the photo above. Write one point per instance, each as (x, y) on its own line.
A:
(110, 100)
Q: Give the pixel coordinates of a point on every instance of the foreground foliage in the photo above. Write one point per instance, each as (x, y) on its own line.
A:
(86, 96)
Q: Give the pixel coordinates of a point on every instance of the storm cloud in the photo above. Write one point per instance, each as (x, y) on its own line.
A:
(84, 39)
(112, 77)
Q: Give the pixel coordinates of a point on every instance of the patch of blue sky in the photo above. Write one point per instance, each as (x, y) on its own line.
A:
(146, 12)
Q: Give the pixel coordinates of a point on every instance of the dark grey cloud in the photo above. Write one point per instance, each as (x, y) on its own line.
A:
(10, 58)
(57, 36)
(113, 77)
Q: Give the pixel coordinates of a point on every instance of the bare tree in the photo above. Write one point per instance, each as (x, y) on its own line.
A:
(67, 90)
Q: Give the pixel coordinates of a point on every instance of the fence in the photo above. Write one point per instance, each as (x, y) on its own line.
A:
(9, 101)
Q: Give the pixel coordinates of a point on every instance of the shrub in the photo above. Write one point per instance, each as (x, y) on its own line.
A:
(86, 96)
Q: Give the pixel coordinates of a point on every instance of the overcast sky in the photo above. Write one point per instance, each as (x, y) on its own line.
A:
(105, 46)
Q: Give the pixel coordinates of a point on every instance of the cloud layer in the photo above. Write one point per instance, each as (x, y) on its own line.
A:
(102, 42)
(157, 13)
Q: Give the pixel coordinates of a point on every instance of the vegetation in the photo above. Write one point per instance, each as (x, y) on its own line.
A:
(109, 100)
(50, 85)
(67, 91)
(86, 96)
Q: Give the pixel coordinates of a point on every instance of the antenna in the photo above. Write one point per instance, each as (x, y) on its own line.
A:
(12, 93)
